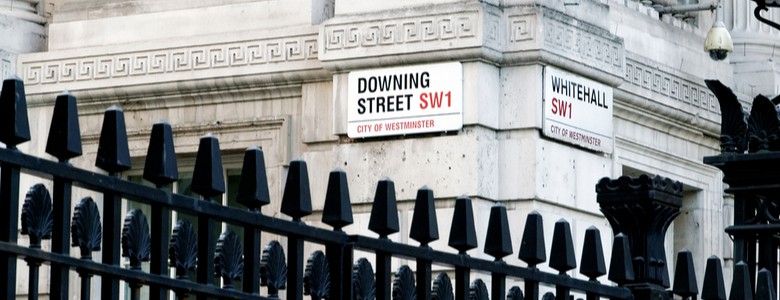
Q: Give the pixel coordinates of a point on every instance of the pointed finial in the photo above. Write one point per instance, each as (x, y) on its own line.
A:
(592, 261)
(713, 287)
(337, 211)
(532, 248)
(296, 201)
(685, 275)
(14, 125)
(621, 269)
(161, 167)
(64, 140)
(463, 234)
(740, 286)
(765, 288)
(424, 226)
(207, 178)
(113, 154)
(253, 187)
(562, 257)
(384, 212)
(498, 242)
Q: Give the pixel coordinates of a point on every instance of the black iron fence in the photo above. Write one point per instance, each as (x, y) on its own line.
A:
(640, 209)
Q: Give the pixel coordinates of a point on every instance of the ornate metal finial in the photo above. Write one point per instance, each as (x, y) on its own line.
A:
(763, 126)
(515, 293)
(403, 284)
(229, 259)
(207, 178)
(478, 290)
(442, 288)
(316, 278)
(548, 296)
(562, 248)
(363, 283)
(532, 248)
(136, 241)
(183, 249)
(296, 199)
(733, 125)
(273, 268)
(463, 233)
(85, 228)
(37, 218)
(713, 287)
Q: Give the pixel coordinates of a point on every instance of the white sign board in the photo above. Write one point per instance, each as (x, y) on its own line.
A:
(577, 110)
(405, 100)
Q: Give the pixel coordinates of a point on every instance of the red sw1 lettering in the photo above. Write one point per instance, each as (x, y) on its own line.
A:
(561, 108)
(435, 99)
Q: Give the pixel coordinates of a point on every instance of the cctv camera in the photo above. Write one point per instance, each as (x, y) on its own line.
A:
(718, 42)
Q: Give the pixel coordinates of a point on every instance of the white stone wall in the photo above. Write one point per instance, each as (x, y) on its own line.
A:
(274, 73)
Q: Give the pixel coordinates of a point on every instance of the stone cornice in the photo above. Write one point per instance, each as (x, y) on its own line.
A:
(98, 72)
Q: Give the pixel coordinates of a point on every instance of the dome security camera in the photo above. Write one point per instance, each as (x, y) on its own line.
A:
(718, 42)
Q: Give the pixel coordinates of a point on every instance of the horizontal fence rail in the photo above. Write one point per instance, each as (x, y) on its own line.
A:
(206, 265)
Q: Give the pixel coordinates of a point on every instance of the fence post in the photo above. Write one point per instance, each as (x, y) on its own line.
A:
(113, 156)
(642, 208)
(296, 203)
(209, 182)
(337, 212)
(161, 169)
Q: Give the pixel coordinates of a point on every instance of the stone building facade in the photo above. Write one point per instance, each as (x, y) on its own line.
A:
(276, 74)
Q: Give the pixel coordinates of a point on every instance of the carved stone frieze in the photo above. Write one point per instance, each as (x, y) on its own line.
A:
(71, 70)
(663, 83)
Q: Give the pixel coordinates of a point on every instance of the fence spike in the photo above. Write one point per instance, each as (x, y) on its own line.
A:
(442, 288)
(740, 285)
(713, 287)
(136, 241)
(515, 293)
(765, 289)
(316, 278)
(14, 125)
(403, 284)
(463, 234)
(532, 248)
(478, 290)
(337, 211)
(498, 242)
(37, 215)
(363, 283)
(424, 226)
(160, 167)
(384, 212)
(228, 259)
(592, 261)
(562, 257)
(296, 200)
(253, 186)
(113, 154)
(685, 275)
(621, 269)
(85, 228)
(207, 178)
(183, 248)
(64, 140)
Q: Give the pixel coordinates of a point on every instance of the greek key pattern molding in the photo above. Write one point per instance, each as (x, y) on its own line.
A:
(162, 61)
(669, 85)
(457, 26)
(582, 42)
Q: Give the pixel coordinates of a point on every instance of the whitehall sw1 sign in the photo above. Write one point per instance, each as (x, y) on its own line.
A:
(405, 100)
(577, 110)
